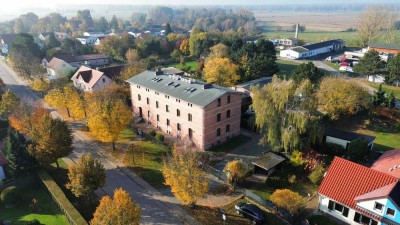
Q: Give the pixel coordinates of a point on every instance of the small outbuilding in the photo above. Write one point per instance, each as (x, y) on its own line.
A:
(343, 138)
(268, 163)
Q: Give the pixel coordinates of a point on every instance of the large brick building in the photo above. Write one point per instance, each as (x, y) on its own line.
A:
(207, 114)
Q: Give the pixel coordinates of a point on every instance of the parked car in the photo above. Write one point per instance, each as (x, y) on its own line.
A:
(251, 212)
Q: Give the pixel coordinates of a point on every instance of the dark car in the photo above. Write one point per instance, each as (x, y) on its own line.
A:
(251, 212)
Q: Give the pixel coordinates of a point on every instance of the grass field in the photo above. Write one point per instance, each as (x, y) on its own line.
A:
(310, 36)
(286, 67)
(231, 144)
(146, 161)
(386, 88)
(48, 212)
(189, 66)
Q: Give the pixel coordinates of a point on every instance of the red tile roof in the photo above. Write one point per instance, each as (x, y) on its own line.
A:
(378, 193)
(389, 163)
(345, 180)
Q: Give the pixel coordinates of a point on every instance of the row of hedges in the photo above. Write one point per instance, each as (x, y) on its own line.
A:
(73, 216)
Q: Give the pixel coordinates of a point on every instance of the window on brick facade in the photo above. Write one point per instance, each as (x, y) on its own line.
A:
(218, 117)
(148, 101)
(228, 99)
(139, 97)
(178, 126)
(189, 117)
(158, 117)
(228, 127)
(148, 113)
(167, 122)
(218, 132)
(190, 133)
(156, 104)
(166, 108)
(228, 114)
(178, 112)
(219, 102)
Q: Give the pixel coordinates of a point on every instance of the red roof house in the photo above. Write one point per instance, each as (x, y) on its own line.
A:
(347, 186)
(389, 163)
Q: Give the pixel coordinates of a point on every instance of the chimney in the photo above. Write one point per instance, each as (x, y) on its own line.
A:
(159, 72)
(297, 31)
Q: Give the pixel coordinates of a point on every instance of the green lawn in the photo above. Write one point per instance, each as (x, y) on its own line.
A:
(145, 159)
(286, 67)
(335, 66)
(279, 180)
(126, 135)
(386, 88)
(231, 144)
(190, 66)
(48, 211)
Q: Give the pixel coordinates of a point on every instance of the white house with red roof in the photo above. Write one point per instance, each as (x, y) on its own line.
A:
(88, 80)
(356, 194)
(389, 163)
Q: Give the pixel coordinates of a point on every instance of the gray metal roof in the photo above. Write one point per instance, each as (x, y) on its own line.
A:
(268, 161)
(179, 87)
(261, 82)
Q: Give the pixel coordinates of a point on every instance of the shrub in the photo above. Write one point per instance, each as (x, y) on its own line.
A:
(316, 175)
(160, 137)
(335, 149)
(292, 179)
(152, 133)
(10, 196)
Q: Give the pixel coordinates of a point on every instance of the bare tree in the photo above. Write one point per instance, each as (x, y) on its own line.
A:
(370, 23)
(391, 35)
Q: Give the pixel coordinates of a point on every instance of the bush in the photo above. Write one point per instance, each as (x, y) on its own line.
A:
(316, 175)
(152, 133)
(10, 196)
(292, 179)
(160, 137)
(335, 149)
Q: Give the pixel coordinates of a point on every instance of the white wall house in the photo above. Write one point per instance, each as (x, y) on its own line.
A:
(87, 40)
(344, 138)
(356, 194)
(311, 50)
(94, 34)
(58, 68)
(88, 80)
(376, 79)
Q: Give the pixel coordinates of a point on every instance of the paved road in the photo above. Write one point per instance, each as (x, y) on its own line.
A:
(156, 208)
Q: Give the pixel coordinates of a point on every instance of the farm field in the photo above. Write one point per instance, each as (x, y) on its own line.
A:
(311, 36)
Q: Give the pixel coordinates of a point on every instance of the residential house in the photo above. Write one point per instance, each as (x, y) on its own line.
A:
(99, 39)
(389, 163)
(58, 68)
(42, 36)
(94, 34)
(3, 163)
(286, 42)
(91, 60)
(360, 53)
(344, 138)
(392, 49)
(86, 40)
(311, 50)
(88, 80)
(5, 42)
(112, 71)
(356, 194)
(61, 36)
(205, 113)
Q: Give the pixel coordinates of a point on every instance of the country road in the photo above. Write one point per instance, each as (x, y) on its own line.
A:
(156, 208)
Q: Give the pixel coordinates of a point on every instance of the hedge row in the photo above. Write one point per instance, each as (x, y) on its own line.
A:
(73, 216)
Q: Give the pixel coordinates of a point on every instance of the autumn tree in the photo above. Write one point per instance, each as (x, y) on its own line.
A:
(219, 51)
(131, 71)
(221, 71)
(307, 71)
(132, 56)
(184, 47)
(286, 114)
(20, 162)
(39, 85)
(182, 173)
(86, 176)
(70, 99)
(236, 171)
(289, 200)
(107, 117)
(339, 96)
(24, 116)
(117, 211)
(369, 25)
(9, 101)
(369, 64)
(51, 139)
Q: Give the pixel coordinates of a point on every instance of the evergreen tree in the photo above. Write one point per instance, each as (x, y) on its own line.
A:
(168, 29)
(394, 71)
(307, 71)
(20, 162)
(369, 64)
(391, 100)
(379, 97)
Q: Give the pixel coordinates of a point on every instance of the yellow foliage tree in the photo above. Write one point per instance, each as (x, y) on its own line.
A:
(107, 117)
(184, 47)
(288, 200)
(39, 85)
(131, 71)
(236, 171)
(68, 98)
(221, 71)
(117, 211)
(339, 96)
(9, 101)
(181, 171)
